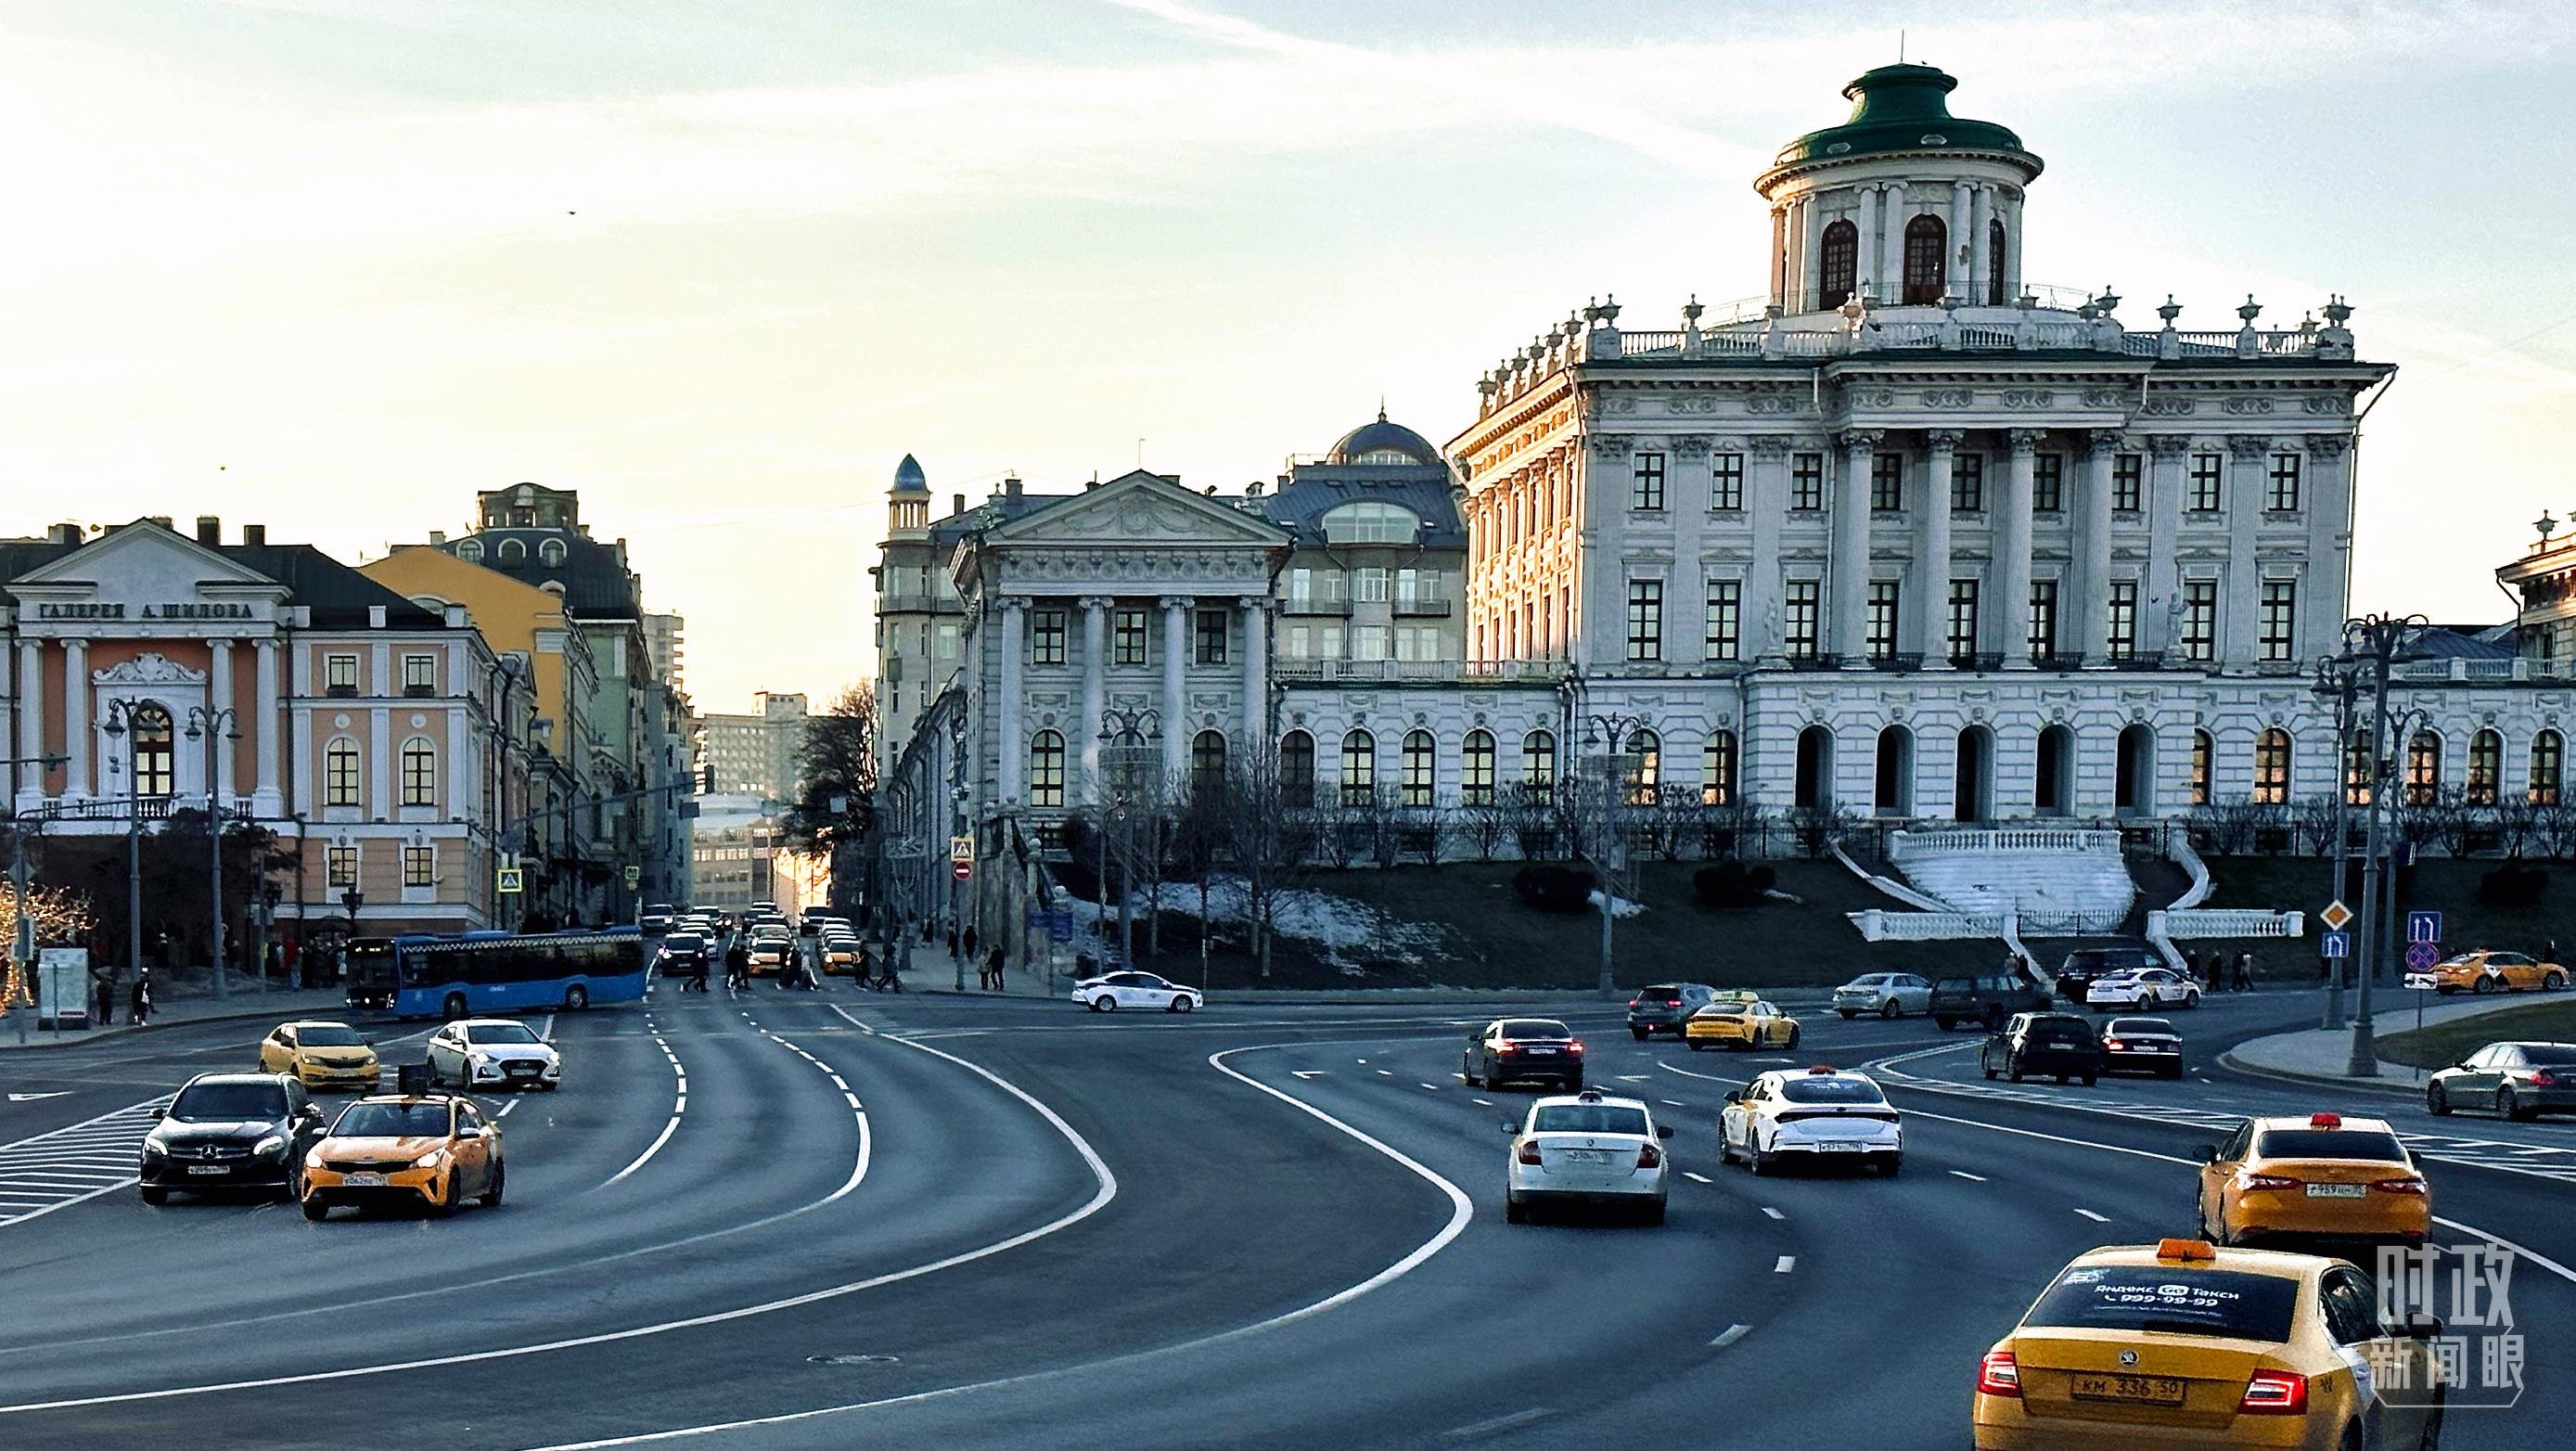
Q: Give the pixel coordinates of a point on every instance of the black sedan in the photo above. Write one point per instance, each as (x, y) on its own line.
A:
(2057, 1045)
(2142, 1045)
(2517, 1080)
(229, 1132)
(1509, 1049)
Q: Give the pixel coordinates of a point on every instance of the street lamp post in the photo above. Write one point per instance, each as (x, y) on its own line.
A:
(211, 726)
(1608, 853)
(121, 719)
(2337, 677)
(2375, 641)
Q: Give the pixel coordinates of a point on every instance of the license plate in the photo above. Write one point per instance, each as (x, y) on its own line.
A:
(2338, 1191)
(522, 1070)
(1832, 1147)
(209, 1169)
(366, 1181)
(2153, 1390)
(1585, 1156)
(1542, 1052)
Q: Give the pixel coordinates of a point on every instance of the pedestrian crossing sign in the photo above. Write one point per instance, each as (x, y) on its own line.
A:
(508, 883)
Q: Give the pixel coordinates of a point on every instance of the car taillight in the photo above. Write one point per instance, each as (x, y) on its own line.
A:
(1649, 1156)
(2544, 1079)
(1529, 1151)
(2274, 1393)
(2266, 1181)
(1999, 1375)
(1574, 1047)
(2399, 1186)
(2114, 1044)
(1632, 1002)
(1511, 1047)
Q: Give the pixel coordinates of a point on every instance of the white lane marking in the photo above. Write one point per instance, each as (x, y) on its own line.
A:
(1306, 1072)
(1770, 1212)
(2096, 1218)
(32, 1097)
(1634, 1077)
(1964, 1174)
(1729, 1336)
(1487, 1102)
(1775, 1060)
(1674, 1103)
(547, 1032)
(76, 1163)
(867, 1140)
(1705, 1077)
(1384, 1073)
(1697, 1178)
(679, 1110)
(1434, 1087)
(1784, 1264)
(1107, 1191)
(1476, 1429)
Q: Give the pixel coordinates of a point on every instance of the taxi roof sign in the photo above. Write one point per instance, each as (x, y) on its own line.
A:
(2325, 1120)
(2185, 1249)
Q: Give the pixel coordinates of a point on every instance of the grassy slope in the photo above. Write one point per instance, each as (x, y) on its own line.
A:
(2443, 1044)
(2439, 885)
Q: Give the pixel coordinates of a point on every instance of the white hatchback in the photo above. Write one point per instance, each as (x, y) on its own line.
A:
(1586, 1148)
(493, 1053)
(1820, 1116)
(1135, 990)
(2147, 988)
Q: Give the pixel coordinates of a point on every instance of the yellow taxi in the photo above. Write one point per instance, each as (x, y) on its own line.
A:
(2183, 1343)
(2323, 1176)
(2486, 972)
(1740, 1021)
(321, 1055)
(430, 1150)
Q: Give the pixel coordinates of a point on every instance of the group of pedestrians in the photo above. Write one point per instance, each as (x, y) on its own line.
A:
(138, 999)
(2235, 968)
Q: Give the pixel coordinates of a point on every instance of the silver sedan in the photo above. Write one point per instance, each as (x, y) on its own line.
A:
(1887, 994)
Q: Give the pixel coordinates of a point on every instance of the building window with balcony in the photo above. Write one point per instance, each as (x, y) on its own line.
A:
(420, 866)
(1127, 638)
(1717, 770)
(340, 865)
(1887, 482)
(420, 675)
(2121, 639)
(1297, 768)
(2043, 619)
(2280, 617)
(2548, 764)
(1807, 484)
(2128, 483)
(1799, 628)
(2201, 497)
(2281, 485)
(1046, 637)
(2204, 753)
(419, 772)
(1927, 247)
(2200, 619)
(1725, 618)
(340, 772)
(1046, 769)
(1882, 619)
(1213, 628)
(1839, 258)
(1359, 768)
(2423, 768)
(1645, 619)
(339, 674)
(2048, 483)
(1646, 485)
(2272, 768)
(1476, 769)
(2486, 768)
(1968, 484)
(1963, 621)
(1419, 764)
(1726, 481)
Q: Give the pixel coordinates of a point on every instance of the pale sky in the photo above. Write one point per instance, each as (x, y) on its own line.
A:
(337, 264)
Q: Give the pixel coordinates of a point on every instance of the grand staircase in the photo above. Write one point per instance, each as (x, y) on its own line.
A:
(2059, 882)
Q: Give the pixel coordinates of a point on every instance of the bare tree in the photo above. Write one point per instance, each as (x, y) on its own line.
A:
(2313, 818)
(1199, 837)
(1267, 837)
(1484, 825)
(837, 780)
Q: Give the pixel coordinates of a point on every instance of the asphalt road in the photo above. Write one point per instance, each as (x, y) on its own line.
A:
(838, 1219)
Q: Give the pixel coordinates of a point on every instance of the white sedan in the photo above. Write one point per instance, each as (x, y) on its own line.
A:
(1888, 994)
(1819, 1116)
(1586, 1148)
(1135, 990)
(2146, 989)
(493, 1053)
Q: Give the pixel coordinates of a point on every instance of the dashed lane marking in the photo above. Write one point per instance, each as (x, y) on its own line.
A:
(1478, 1430)
(1964, 1174)
(1772, 1213)
(1434, 1087)
(2096, 1218)
(1697, 1178)
(1784, 1264)
(1729, 1336)
(1486, 1102)
(1674, 1103)
(1307, 1072)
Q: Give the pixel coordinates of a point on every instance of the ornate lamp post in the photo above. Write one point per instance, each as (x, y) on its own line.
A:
(1606, 850)
(2374, 643)
(212, 726)
(122, 717)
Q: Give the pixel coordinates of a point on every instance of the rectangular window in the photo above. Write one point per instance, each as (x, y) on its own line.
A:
(2128, 483)
(1127, 638)
(2281, 490)
(420, 675)
(1212, 637)
(1801, 619)
(1882, 618)
(1046, 637)
(2123, 634)
(2200, 619)
(340, 674)
(2043, 619)
(1301, 586)
(2202, 496)
(2280, 617)
(342, 863)
(1887, 482)
(1726, 481)
(1963, 621)
(1373, 585)
(1369, 642)
(420, 867)
(1807, 483)
(1646, 488)
(1725, 618)
(945, 643)
(2048, 484)
(1968, 484)
(1645, 619)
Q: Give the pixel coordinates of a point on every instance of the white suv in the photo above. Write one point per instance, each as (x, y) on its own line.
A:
(1586, 1148)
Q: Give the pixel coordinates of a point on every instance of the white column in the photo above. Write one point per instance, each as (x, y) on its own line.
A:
(31, 723)
(1954, 261)
(2092, 602)
(1176, 700)
(2010, 607)
(1095, 663)
(1766, 501)
(1012, 750)
(78, 743)
(1892, 217)
(2240, 592)
(1932, 561)
(1848, 588)
(2012, 248)
(380, 773)
(1779, 256)
(1809, 253)
(264, 708)
(2326, 496)
(1864, 246)
(219, 695)
(2165, 454)
(1256, 672)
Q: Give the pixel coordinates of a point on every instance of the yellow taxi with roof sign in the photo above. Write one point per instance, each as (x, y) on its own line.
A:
(1740, 1020)
(2183, 1343)
(2323, 1176)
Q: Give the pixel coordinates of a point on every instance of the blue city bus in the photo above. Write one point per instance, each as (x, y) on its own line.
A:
(476, 973)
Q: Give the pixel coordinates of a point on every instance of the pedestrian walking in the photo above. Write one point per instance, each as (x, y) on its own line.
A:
(737, 967)
(952, 942)
(968, 940)
(697, 982)
(866, 971)
(993, 964)
(139, 1010)
(2244, 972)
(107, 1000)
(2550, 952)
(2191, 965)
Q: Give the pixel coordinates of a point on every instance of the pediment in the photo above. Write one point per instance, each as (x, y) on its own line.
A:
(1140, 508)
(144, 563)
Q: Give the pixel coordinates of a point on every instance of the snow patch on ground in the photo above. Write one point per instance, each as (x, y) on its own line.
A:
(1619, 906)
(1340, 930)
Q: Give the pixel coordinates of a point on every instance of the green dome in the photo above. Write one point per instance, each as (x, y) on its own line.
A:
(1897, 108)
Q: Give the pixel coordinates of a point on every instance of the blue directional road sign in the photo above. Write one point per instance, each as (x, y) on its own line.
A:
(2423, 926)
(2421, 956)
(1059, 925)
(2335, 944)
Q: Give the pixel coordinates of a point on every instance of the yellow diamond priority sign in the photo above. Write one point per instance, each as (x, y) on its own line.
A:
(2335, 915)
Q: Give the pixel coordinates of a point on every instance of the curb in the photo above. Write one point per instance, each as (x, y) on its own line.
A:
(2234, 1064)
(10, 1044)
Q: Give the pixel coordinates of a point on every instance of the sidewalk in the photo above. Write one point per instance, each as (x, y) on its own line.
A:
(2320, 1055)
(246, 1002)
(933, 972)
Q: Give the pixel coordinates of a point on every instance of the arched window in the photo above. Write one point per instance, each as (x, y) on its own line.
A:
(2053, 780)
(1717, 770)
(419, 772)
(1371, 522)
(1812, 785)
(2423, 768)
(512, 551)
(1359, 768)
(1476, 769)
(470, 550)
(1538, 766)
(2548, 763)
(1297, 768)
(1996, 277)
(2272, 767)
(1648, 748)
(2486, 768)
(340, 772)
(1046, 769)
(1841, 258)
(552, 553)
(1419, 768)
(1207, 762)
(1927, 247)
(2204, 756)
(1892, 788)
(155, 752)
(2356, 769)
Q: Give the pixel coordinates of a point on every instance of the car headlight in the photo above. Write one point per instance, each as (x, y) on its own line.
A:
(430, 1160)
(270, 1145)
(154, 1149)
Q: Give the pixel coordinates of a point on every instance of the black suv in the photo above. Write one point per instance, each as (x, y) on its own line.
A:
(1665, 1007)
(1523, 1048)
(1987, 999)
(2076, 974)
(2057, 1044)
(231, 1131)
